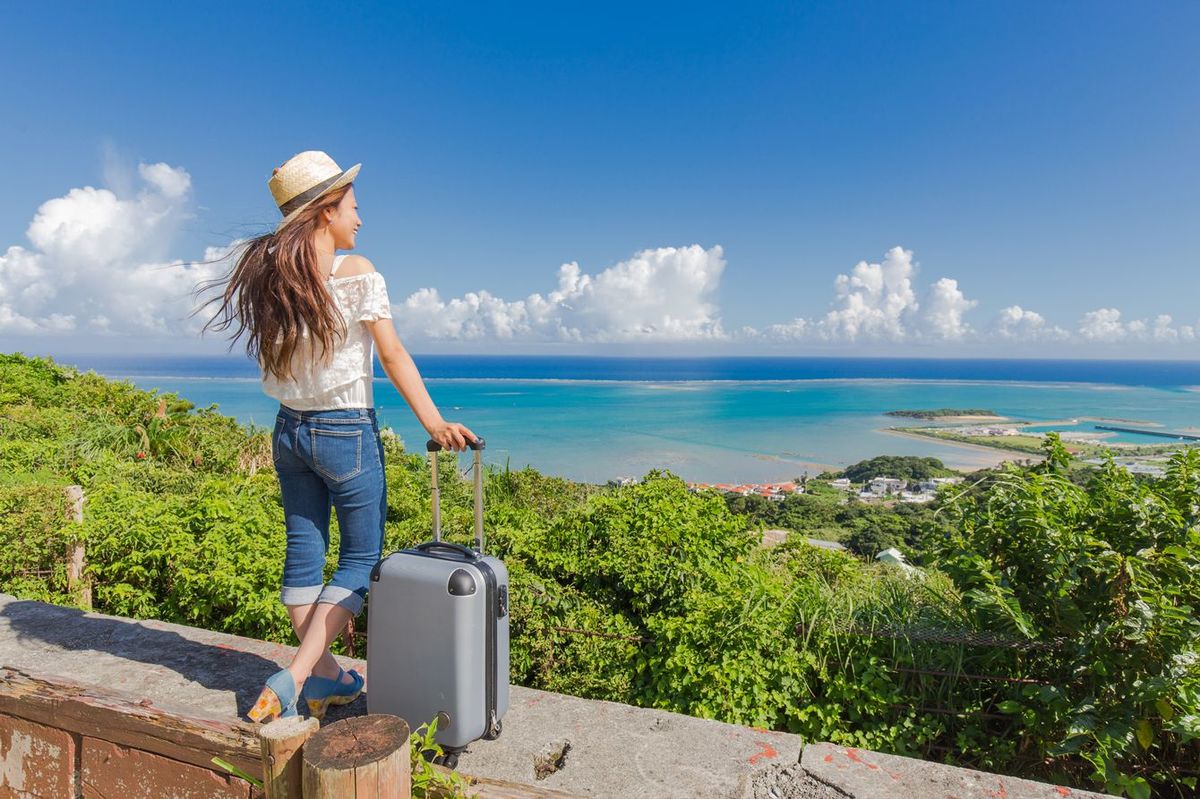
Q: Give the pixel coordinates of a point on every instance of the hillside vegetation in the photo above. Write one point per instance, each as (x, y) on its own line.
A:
(1053, 632)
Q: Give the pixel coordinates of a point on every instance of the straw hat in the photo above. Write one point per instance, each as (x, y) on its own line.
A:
(303, 179)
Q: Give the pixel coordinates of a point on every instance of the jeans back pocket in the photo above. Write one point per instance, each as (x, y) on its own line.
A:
(337, 454)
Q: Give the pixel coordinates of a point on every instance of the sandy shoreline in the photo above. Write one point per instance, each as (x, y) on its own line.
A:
(999, 455)
(960, 419)
(1081, 419)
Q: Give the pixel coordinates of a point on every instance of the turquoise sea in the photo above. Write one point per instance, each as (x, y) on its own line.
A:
(720, 419)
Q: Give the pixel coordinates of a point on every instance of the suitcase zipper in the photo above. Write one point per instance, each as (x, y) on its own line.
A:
(492, 727)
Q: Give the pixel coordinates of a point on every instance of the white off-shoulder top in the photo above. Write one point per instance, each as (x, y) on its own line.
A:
(344, 381)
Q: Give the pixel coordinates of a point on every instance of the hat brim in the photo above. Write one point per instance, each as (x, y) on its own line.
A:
(345, 179)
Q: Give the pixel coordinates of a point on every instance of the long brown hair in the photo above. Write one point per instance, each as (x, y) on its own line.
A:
(275, 293)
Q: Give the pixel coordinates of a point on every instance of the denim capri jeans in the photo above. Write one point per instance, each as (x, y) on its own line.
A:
(330, 459)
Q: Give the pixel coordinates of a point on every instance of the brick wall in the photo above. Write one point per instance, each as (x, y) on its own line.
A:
(60, 740)
(38, 761)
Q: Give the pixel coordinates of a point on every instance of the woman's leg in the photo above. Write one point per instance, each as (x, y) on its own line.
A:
(324, 624)
(348, 456)
(326, 666)
(307, 507)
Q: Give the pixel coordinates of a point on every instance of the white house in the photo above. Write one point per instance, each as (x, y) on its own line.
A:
(882, 486)
(934, 483)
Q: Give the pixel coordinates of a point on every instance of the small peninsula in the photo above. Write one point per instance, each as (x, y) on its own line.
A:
(947, 413)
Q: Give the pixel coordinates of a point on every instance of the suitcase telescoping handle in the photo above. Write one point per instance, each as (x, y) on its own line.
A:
(433, 448)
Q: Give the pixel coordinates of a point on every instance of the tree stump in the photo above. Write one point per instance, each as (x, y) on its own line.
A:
(281, 741)
(366, 757)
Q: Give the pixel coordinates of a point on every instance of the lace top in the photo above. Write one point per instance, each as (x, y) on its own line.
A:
(343, 381)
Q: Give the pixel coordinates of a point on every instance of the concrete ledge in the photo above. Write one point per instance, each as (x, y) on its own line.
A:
(860, 773)
(610, 749)
(183, 672)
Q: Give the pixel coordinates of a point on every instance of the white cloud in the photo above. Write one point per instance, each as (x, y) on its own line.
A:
(98, 259)
(1105, 325)
(878, 302)
(171, 182)
(1102, 324)
(660, 295)
(98, 262)
(943, 313)
(1015, 323)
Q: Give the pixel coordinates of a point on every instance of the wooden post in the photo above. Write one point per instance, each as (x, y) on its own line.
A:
(280, 742)
(77, 582)
(364, 756)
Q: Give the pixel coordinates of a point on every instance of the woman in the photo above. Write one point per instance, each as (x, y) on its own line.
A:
(312, 319)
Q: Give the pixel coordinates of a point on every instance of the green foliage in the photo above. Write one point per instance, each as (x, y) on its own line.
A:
(428, 782)
(937, 413)
(1084, 588)
(901, 467)
(34, 546)
(864, 527)
(225, 765)
(1111, 572)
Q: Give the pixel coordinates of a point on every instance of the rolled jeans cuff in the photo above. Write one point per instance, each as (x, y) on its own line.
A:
(343, 598)
(300, 595)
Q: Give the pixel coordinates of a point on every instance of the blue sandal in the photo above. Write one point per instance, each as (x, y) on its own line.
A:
(277, 699)
(321, 692)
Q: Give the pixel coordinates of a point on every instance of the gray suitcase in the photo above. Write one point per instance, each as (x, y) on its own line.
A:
(437, 632)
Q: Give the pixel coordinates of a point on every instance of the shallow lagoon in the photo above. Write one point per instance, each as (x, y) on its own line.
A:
(717, 431)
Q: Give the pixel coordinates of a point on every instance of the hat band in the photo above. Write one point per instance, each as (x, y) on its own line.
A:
(309, 194)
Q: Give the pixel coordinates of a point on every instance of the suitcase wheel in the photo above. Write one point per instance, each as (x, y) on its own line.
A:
(449, 760)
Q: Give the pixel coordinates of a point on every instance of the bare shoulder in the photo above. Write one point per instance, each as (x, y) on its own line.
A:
(355, 265)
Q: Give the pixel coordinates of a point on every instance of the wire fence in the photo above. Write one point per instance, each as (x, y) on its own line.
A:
(50, 551)
(975, 639)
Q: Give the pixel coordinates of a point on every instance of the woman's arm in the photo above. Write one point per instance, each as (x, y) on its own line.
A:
(401, 370)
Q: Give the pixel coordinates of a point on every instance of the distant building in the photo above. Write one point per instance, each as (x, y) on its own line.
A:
(894, 557)
(776, 492)
(772, 538)
(882, 486)
(1145, 468)
(988, 431)
(842, 483)
(820, 544)
(932, 485)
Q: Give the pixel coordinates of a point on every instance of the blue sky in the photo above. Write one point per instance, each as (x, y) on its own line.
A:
(710, 170)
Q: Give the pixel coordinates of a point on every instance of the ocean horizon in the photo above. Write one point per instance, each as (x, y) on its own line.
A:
(726, 419)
